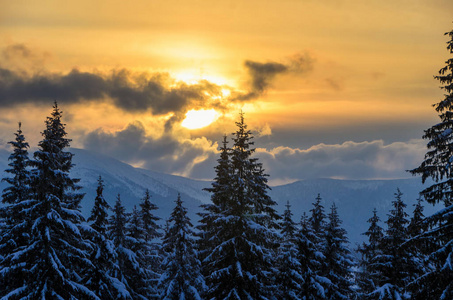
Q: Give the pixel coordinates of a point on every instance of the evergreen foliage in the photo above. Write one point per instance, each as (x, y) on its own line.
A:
(393, 263)
(288, 279)
(131, 272)
(99, 276)
(182, 277)
(437, 166)
(240, 238)
(55, 255)
(310, 261)
(338, 258)
(368, 276)
(13, 217)
(151, 247)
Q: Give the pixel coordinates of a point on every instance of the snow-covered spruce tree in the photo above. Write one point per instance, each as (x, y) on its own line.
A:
(437, 166)
(367, 276)
(310, 262)
(241, 264)
(136, 241)
(211, 211)
(182, 278)
(14, 234)
(100, 276)
(151, 247)
(393, 261)
(130, 272)
(318, 225)
(288, 277)
(55, 256)
(338, 258)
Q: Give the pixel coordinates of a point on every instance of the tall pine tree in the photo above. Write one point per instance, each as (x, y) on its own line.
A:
(310, 259)
(130, 272)
(393, 261)
(338, 258)
(437, 166)
(240, 262)
(14, 224)
(55, 256)
(182, 277)
(368, 276)
(100, 276)
(288, 278)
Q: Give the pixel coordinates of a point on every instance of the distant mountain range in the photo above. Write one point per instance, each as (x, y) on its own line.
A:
(355, 199)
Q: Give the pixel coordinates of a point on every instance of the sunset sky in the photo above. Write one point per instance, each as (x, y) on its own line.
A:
(339, 89)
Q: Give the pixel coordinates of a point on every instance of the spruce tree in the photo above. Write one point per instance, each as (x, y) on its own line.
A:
(310, 262)
(211, 211)
(288, 279)
(55, 256)
(99, 278)
(437, 166)
(151, 247)
(338, 258)
(393, 261)
(240, 263)
(182, 277)
(130, 271)
(14, 224)
(368, 276)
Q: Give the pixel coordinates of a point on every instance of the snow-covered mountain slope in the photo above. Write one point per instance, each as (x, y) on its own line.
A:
(130, 183)
(355, 198)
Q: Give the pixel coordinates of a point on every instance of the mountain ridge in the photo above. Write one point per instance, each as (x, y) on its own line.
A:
(355, 199)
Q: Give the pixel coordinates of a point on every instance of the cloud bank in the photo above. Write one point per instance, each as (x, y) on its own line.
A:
(197, 158)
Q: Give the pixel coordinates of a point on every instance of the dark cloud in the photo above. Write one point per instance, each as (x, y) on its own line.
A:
(262, 74)
(165, 154)
(127, 91)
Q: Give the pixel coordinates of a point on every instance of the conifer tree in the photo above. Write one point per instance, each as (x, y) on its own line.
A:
(55, 256)
(130, 272)
(368, 276)
(99, 278)
(211, 211)
(151, 248)
(14, 224)
(310, 261)
(338, 258)
(240, 262)
(437, 166)
(393, 261)
(288, 279)
(182, 277)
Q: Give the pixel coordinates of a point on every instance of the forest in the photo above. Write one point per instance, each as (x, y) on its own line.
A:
(240, 249)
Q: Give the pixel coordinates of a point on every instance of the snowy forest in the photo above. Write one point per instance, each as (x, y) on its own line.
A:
(241, 248)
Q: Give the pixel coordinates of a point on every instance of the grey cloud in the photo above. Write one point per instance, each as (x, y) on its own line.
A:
(127, 91)
(262, 74)
(350, 160)
(164, 154)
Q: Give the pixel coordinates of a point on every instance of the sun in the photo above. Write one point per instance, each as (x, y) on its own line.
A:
(196, 119)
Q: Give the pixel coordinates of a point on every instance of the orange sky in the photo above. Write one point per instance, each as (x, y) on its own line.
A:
(306, 73)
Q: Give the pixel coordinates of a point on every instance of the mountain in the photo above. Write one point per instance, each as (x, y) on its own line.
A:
(129, 182)
(355, 198)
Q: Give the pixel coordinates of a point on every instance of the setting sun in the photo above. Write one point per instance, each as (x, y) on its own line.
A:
(196, 119)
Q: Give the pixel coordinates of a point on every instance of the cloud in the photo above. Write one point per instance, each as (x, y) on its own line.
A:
(261, 75)
(164, 154)
(21, 58)
(128, 91)
(349, 160)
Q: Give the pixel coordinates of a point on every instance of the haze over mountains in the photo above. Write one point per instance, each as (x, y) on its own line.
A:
(355, 198)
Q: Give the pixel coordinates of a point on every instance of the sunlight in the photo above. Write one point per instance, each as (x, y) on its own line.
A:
(196, 119)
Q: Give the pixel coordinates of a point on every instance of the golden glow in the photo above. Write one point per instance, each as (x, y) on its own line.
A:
(196, 119)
